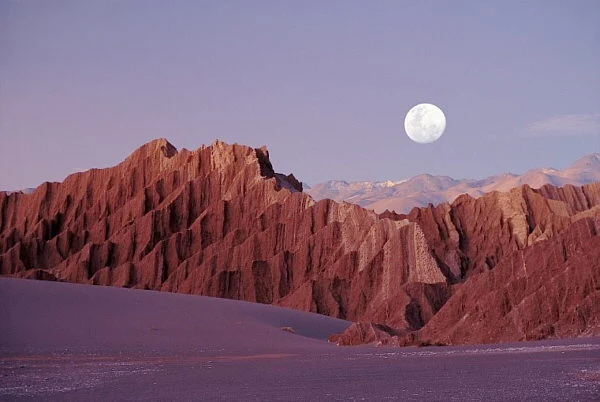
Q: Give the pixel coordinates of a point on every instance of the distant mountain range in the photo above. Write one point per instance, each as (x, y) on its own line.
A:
(28, 190)
(403, 195)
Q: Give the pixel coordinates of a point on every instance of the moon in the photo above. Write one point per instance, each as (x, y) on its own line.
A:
(425, 123)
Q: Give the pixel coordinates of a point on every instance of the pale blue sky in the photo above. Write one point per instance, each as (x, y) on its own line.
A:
(324, 84)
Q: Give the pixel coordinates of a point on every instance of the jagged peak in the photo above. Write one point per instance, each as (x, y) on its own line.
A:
(266, 167)
(223, 150)
(220, 144)
(159, 147)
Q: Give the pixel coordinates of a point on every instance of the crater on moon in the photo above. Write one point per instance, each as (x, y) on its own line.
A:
(425, 123)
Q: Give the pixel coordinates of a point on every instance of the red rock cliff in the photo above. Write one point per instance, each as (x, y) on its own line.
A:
(219, 221)
(525, 265)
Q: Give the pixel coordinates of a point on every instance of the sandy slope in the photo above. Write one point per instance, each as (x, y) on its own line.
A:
(43, 317)
(78, 342)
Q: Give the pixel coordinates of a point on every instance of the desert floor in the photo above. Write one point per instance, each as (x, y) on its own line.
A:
(75, 342)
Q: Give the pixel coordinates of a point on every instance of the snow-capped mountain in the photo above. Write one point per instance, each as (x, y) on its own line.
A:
(403, 195)
(28, 190)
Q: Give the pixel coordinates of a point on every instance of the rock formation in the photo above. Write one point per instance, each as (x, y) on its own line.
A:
(523, 264)
(360, 333)
(549, 289)
(219, 221)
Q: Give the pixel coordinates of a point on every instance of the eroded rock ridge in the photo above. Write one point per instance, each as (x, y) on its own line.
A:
(219, 221)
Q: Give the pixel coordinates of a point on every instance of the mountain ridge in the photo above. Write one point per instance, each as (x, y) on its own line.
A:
(219, 221)
(423, 189)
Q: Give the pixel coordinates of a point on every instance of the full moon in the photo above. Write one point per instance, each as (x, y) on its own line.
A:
(425, 123)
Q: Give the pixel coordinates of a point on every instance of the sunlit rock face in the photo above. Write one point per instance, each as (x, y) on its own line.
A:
(219, 221)
(529, 262)
(216, 221)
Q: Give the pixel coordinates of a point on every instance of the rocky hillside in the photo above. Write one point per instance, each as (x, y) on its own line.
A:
(219, 221)
(524, 265)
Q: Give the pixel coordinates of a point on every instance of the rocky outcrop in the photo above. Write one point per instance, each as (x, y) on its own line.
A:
(219, 221)
(474, 234)
(549, 289)
(360, 333)
(525, 265)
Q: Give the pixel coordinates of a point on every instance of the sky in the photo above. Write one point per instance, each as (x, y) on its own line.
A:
(325, 85)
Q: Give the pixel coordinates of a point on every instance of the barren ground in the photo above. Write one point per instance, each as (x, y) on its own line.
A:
(76, 342)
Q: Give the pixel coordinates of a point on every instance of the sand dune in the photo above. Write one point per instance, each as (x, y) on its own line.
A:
(43, 317)
(78, 342)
